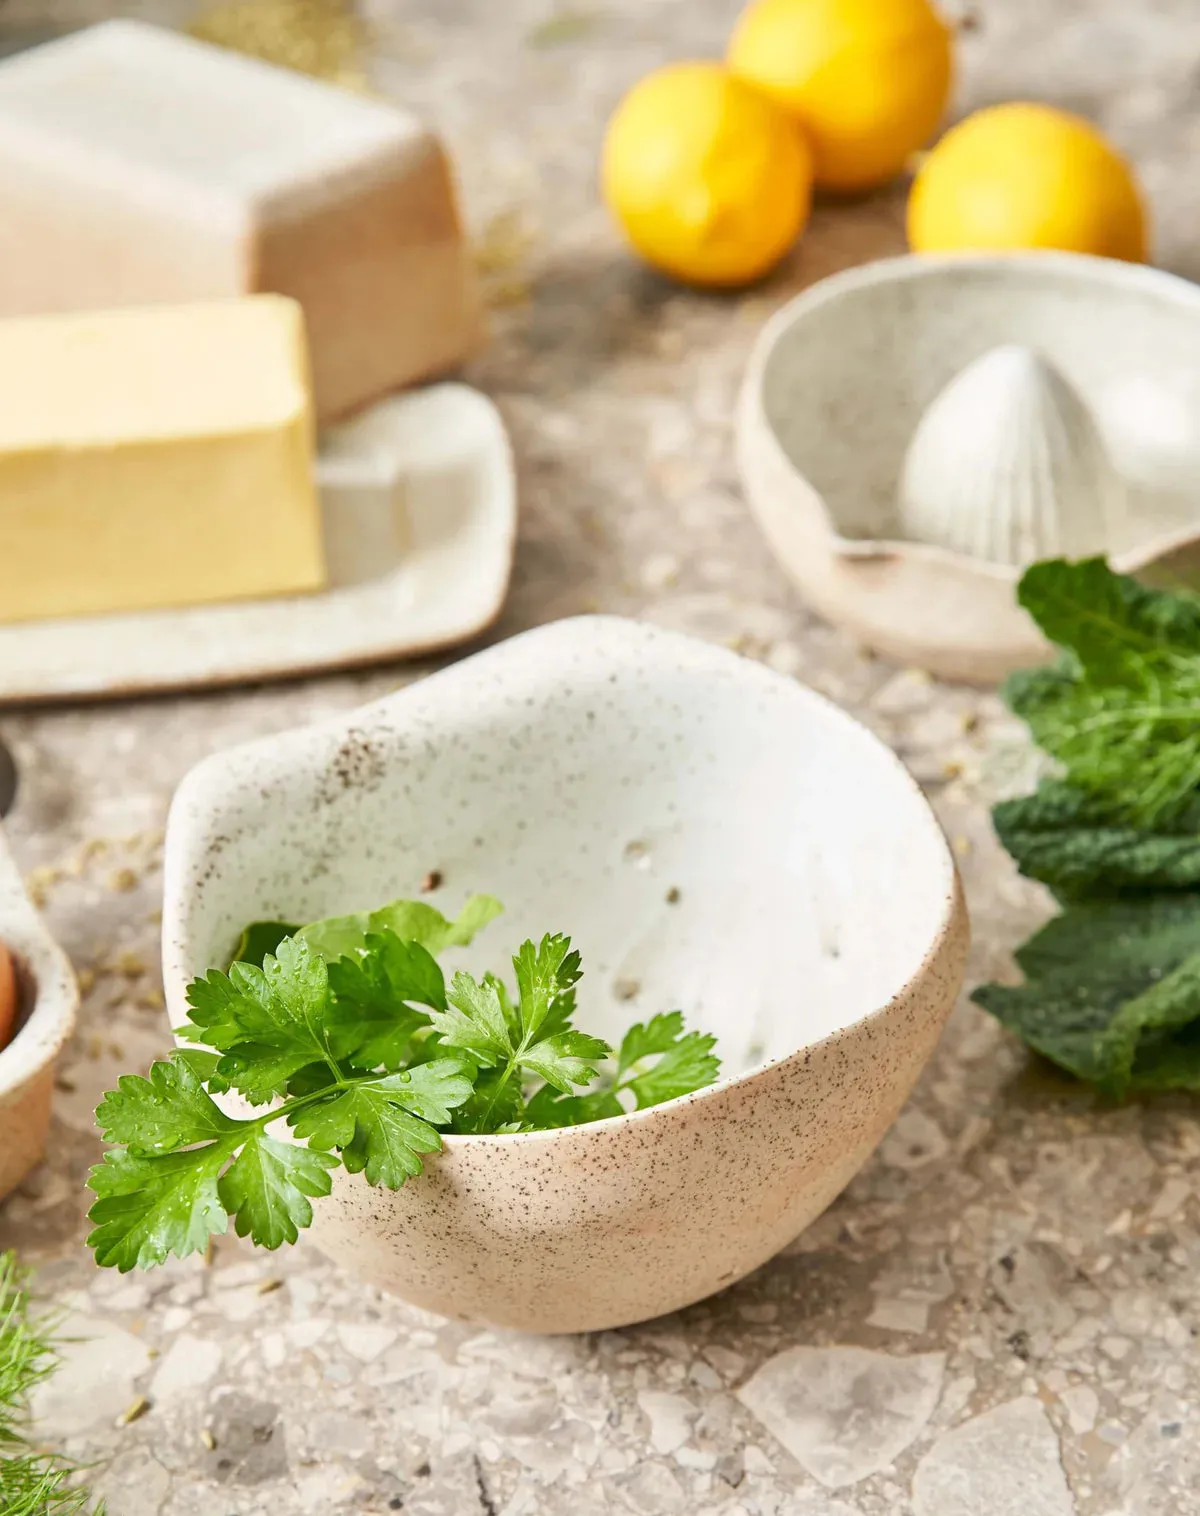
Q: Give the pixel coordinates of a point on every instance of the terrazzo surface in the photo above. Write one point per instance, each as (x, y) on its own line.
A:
(1000, 1315)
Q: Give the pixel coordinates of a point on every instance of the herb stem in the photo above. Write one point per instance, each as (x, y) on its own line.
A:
(497, 1092)
(296, 1103)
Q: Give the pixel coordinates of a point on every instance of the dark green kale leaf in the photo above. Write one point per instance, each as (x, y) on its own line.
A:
(1120, 710)
(1112, 986)
(1112, 992)
(1069, 839)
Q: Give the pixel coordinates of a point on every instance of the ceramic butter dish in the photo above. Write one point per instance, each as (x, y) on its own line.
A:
(911, 433)
(140, 166)
(418, 515)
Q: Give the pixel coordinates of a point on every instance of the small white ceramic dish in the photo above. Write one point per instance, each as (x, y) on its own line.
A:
(838, 383)
(419, 499)
(49, 999)
(715, 838)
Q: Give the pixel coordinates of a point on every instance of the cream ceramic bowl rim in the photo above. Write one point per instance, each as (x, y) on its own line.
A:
(39, 1038)
(204, 776)
(906, 268)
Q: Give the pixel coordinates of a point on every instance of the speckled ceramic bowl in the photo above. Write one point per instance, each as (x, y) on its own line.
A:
(841, 376)
(714, 837)
(48, 1000)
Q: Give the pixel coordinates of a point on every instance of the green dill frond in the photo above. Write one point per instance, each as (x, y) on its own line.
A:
(32, 1483)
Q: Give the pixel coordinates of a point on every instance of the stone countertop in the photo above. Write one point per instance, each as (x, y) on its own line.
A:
(1000, 1314)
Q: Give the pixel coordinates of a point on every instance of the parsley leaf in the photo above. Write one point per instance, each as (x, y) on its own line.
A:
(372, 1021)
(410, 920)
(474, 1020)
(481, 1020)
(1121, 708)
(568, 1059)
(146, 1208)
(684, 1061)
(548, 1110)
(1112, 992)
(508, 1005)
(268, 1023)
(167, 1110)
(382, 1126)
(204, 1065)
(350, 1025)
(495, 1104)
(546, 980)
(267, 1188)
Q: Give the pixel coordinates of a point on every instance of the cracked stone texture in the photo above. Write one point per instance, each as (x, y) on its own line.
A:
(1005, 1462)
(845, 1413)
(1045, 1248)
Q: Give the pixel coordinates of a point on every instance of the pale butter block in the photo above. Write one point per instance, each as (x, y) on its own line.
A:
(156, 457)
(140, 166)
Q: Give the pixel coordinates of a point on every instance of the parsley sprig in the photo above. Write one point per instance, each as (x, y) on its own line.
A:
(361, 1055)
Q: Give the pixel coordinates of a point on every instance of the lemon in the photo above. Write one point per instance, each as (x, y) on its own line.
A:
(710, 180)
(867, 79)
(1026, 176)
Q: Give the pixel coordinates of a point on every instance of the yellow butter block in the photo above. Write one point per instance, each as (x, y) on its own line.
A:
(156, 457)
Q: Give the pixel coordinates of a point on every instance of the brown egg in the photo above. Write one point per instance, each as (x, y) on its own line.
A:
(8, 996)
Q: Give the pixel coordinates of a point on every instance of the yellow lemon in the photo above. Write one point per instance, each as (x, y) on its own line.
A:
(867, 79)
(710, 180)
(1026, 176)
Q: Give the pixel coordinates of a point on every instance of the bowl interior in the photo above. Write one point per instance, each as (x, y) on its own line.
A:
(47, 995)
(862, 356)
(713, 836)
